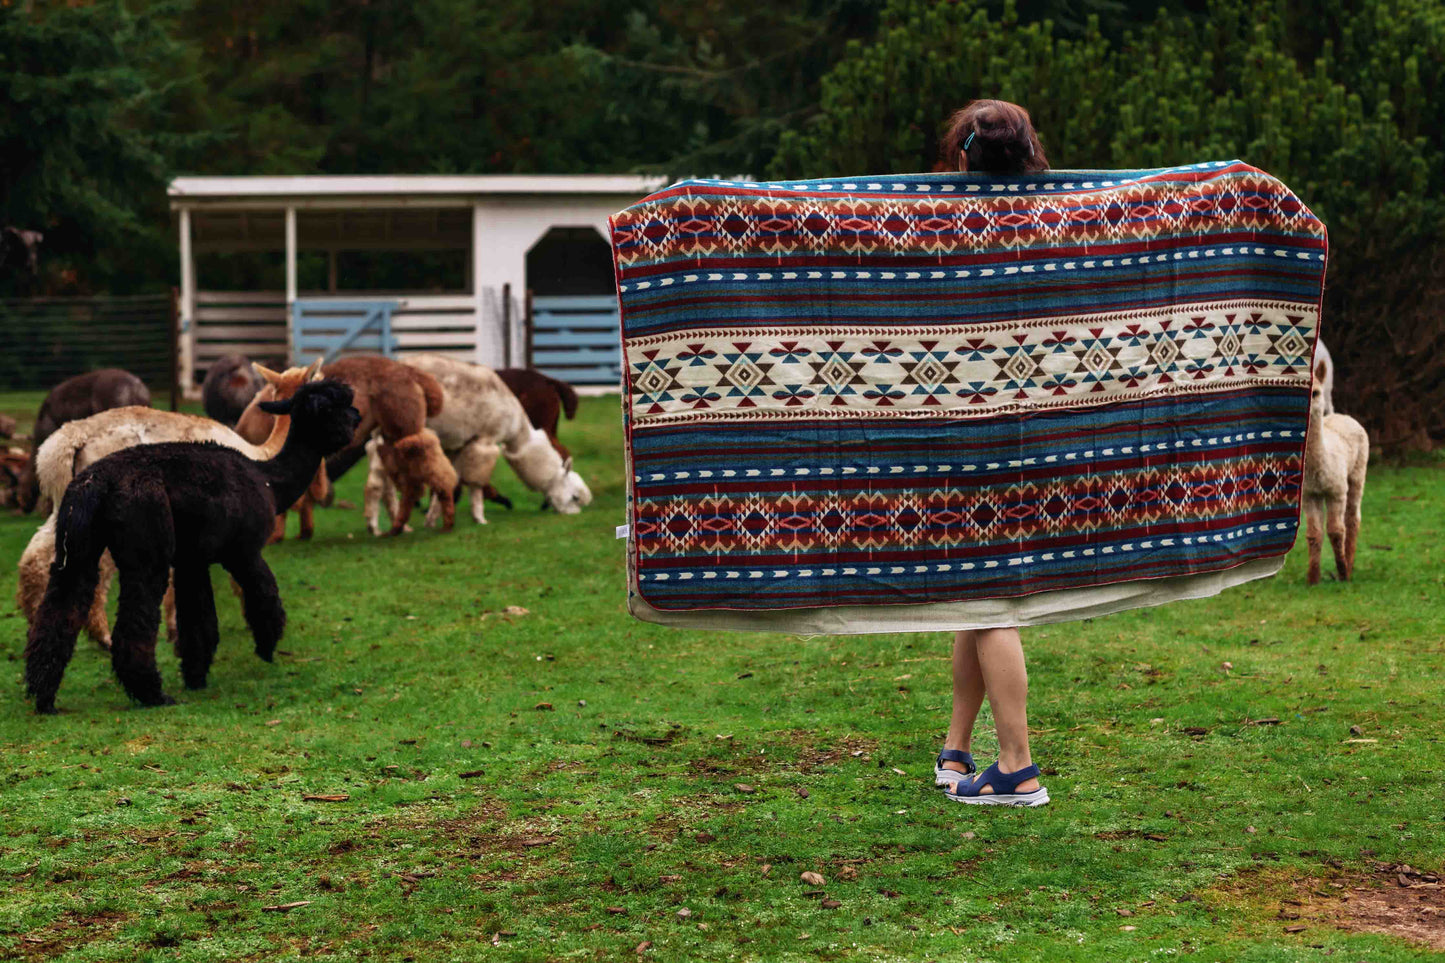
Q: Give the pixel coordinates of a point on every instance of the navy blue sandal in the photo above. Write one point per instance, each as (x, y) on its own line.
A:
(947, 777)
(1005, 788)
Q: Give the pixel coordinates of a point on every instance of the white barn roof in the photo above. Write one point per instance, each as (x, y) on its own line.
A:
(399, 189)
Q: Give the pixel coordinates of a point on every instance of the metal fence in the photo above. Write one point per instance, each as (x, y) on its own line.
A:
(50, 339)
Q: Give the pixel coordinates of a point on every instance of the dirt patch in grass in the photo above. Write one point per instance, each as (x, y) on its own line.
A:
(1391, 899)
(71, 929)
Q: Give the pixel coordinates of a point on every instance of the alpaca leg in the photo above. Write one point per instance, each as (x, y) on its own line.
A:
(58, 620)
(305, 511)
(133, 643)
(262, 602)
(410, 493)
(1352, 526)
(1335, 528)
(375, 490)
(168, 606)
(97, 624)
(278, 531)
(196, 609)
(1313, 536)
(474, 464)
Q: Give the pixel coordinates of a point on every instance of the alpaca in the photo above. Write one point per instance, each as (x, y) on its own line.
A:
(81, 443)
(544, 399)
(255, 426)
(396, 401)
(1336, 456)
(388, 470)
(230, 385)
(72, 399)
(182, 506)
(482, 420)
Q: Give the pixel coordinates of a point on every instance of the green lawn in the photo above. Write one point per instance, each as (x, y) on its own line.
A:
(564, 783)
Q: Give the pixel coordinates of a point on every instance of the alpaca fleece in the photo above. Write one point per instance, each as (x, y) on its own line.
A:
(394, 400)
(481, 420)
(230, 385)
(72, 399)
(181, 506)
(1337, 456)
(415, 457)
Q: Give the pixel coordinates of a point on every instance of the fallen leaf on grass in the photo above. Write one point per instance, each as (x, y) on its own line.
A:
(1157, 837)
(516, 610)
(767, 868)
(32, 939)
(684, 913)
(812, 878)
(273, 722)
(1124, 912)
(617, 910)
(1270, 721)
(705, 838)
(643, 947)
(1128, 929)
(471, 774)
(830, 904)
(286, 907)
(669, 878)
(543, 707)
(531, 842)
(744, 788)
(1196, 731)
(1297, 928)
(326, 797)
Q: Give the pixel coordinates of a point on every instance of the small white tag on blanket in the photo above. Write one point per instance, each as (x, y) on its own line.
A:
(623, 531)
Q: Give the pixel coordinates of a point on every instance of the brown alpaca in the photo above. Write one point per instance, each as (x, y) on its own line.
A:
(414, 457)
(256, 426)
(1336, 457)
(396, 401)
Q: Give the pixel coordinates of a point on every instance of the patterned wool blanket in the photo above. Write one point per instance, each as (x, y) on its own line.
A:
(923, 389)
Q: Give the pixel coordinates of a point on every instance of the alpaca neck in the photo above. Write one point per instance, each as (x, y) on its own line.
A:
(290, 471)
(277, 439)
(536, 462)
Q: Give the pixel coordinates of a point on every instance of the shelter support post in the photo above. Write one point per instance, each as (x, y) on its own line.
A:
(186, 334)
(290, 282)
(479, 312)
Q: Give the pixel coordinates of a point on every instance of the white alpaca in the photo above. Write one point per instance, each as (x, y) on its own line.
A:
(79, 444)
(1336, 457)
(481, 420)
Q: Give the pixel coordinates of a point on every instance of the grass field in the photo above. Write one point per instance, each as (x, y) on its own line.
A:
(1234, 778)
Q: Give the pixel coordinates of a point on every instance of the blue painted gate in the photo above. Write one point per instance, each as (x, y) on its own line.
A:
(577, 339)
(326, 327)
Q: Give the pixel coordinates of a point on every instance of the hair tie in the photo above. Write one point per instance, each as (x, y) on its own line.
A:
(970, 139)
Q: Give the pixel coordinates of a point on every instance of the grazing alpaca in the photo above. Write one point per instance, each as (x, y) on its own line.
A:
(72, 399)
(185, 506)
(389, 469)
(544, 399)
(230, 385)
(481, 420)
(255, 425)
(1336, 457)
(81, 443)
(396, 401)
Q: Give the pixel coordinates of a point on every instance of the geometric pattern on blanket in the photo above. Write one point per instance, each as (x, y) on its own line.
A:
(952, 387)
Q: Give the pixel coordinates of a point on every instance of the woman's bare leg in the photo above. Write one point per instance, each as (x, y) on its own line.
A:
(967, 695)
(1006, 680)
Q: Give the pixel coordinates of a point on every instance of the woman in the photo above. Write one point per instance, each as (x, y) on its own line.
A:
(995, 137)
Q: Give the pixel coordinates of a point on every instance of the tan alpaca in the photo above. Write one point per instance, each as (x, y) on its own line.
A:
(410, 463)
(79, 444)
(481, 420)
(1336, 457)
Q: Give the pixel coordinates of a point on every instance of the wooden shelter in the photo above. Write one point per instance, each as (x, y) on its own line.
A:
(473, 233)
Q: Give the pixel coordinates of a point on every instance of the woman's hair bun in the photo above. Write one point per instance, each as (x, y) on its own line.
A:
(996, 136)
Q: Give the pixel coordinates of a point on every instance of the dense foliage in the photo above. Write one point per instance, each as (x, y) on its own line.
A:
(1330, 96)
(101, 102)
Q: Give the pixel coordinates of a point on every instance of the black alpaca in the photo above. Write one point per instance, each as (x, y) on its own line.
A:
(183, 506)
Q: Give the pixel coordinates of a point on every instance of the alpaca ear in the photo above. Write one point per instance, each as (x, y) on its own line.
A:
(567, 464)
(277, 407)
(271, 377)
(313, 371)
(1320, 371)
